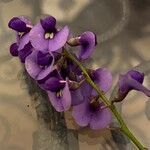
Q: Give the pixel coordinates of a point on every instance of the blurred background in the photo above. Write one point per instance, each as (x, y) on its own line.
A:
(123, 30)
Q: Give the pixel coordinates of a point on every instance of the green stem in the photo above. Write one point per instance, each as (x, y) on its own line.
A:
(112, 107)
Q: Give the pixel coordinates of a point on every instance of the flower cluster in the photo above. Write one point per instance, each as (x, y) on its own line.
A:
(132, 80)
(41, 48)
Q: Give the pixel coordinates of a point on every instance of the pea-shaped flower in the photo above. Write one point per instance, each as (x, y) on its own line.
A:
(46, 37)
(87, 42)
(39, 64)
(63, 93)
(60, 99)
(132, 80)
(22, 47)
(92, 112)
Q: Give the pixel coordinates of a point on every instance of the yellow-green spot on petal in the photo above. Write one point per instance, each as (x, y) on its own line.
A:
(20, 34)
(59, 94)
(49, 35)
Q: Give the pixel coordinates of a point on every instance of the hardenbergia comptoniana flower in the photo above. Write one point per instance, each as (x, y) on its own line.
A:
(47, 54)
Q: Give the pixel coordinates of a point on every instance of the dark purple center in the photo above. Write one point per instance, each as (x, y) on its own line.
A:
(54, 84)
(44, 59)
(18, 25)
(14, 49)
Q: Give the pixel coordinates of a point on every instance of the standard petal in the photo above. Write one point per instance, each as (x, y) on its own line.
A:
(62, 103)
(31, 65)
(59, 39)
(23, 53)
(87, 41)
(37, 38)
(103, 78)
(23, 41)
(77, 97)
(82, 114)
(101, 118)
(55, 101)
(46, 71)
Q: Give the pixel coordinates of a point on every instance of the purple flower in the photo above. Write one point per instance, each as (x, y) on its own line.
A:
(22, 53)
(39, 64)
(91, 112)
(45, 37)
(22, 26)
(60, 94)
(54, 83)
(22, 47)
(87, 42)
(132, 80)
(60, 100)
(71, 71)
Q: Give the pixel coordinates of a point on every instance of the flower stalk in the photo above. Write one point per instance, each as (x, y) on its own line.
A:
(123, 126)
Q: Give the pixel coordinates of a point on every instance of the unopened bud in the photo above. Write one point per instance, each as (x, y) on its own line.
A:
(73, 42)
